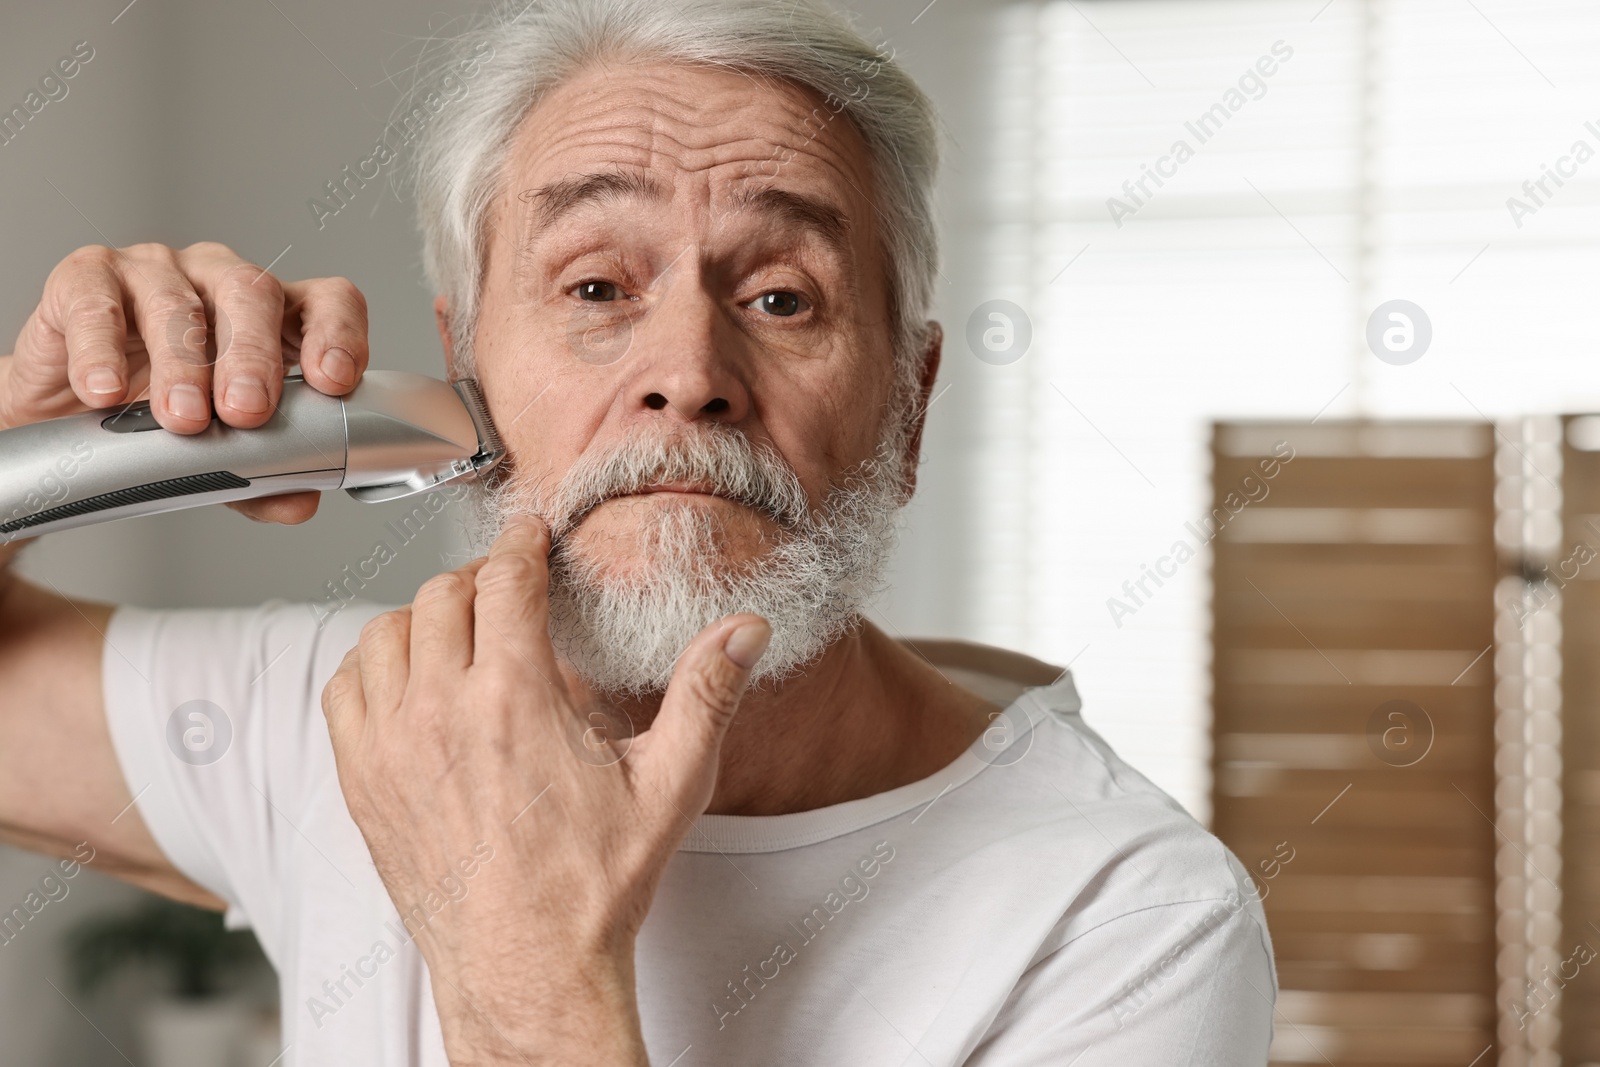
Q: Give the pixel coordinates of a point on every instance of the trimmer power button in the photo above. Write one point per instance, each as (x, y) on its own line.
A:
(132, 419)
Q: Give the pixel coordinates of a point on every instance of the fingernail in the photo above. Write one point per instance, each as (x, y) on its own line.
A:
(746, 644)
(186, 401)
(337, 364)
(248, 393)
(104, 380)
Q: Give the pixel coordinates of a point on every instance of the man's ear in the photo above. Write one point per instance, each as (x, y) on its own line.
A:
(441, 316)
(931, 353)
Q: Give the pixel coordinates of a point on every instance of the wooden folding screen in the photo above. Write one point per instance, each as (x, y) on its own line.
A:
(1573, 577)
(1353, 614)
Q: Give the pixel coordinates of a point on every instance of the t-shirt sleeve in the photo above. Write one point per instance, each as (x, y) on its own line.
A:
(216, 718)
(1189, 983)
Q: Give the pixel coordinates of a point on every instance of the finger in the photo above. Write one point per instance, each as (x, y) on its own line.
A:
(286, 508)
(247, 304)
(707, 684)
(78, 335)
(171, 318)
(332, 322)
(385, 661)
(512, 621)
(441, 622)
(344, 704)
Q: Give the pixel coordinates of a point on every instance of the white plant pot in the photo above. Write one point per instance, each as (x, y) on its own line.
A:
(193, 1033)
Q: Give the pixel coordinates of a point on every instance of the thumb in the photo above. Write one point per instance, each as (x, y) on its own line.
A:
(707, 685)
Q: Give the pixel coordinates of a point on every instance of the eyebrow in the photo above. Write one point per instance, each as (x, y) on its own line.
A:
(803, 212)
(560, 198)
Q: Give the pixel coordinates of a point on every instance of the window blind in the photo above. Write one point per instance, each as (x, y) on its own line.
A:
(1340, 155)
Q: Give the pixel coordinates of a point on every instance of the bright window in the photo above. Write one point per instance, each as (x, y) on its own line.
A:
(1336, 159)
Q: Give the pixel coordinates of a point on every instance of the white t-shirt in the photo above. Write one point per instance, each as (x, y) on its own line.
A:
(1036, 902)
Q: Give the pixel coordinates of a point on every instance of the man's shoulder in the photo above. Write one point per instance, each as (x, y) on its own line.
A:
(1124, 858)
(331, 630)
(335, 622)
(310, 618)
(1100, 828)
(279, 642)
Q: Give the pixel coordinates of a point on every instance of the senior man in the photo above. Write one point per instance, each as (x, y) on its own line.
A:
(640, 784)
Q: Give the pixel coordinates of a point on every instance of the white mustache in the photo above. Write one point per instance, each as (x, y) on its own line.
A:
(721, 457)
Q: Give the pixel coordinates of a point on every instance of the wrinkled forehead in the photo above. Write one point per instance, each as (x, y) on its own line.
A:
(657, 137)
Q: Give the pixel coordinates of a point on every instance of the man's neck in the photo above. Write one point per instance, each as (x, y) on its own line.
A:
(868, 716)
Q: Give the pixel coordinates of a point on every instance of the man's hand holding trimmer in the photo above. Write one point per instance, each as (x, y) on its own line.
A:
(197, 330)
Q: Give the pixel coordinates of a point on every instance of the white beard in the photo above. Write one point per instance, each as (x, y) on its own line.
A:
(623, 634)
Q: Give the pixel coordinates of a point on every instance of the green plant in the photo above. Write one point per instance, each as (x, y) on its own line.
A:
(190, 944)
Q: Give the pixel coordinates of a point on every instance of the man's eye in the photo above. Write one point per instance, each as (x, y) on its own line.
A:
(597, 291)
(780, 302)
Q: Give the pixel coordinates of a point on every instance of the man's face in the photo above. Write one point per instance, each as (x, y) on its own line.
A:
(676, 247)
(684, 275)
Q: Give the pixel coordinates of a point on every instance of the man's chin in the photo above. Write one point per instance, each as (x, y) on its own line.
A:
(634, 579)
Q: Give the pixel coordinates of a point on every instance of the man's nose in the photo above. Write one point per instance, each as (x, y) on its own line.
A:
(689, 356)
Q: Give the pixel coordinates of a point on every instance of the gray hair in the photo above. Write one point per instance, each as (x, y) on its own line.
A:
(525, 49)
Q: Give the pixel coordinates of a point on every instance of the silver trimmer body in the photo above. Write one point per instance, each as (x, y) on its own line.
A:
(394, 435)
